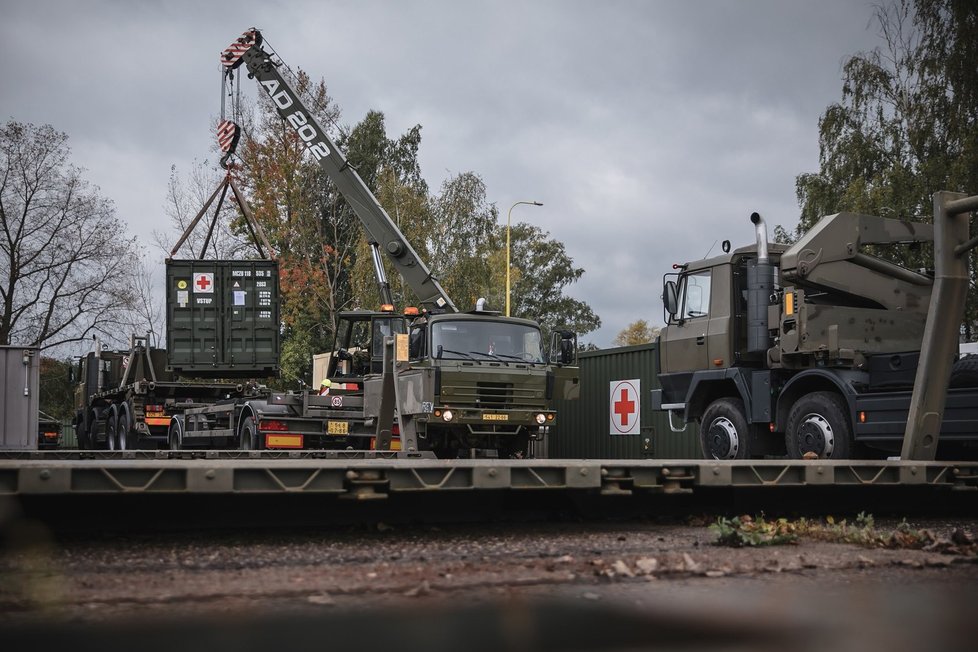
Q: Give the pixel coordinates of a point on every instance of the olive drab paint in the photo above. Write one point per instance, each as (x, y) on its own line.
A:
(222, 318)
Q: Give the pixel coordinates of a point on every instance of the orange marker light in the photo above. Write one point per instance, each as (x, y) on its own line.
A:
(862, 417)
(717, 362)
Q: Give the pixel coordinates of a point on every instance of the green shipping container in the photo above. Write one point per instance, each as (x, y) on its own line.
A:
(613, 419)
(222, 318)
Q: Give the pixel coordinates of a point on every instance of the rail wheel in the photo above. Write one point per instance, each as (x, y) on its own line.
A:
(818, 424)
(112, 428)
(724, 431)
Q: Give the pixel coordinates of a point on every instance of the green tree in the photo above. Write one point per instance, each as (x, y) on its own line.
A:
(57, 397)
(907, 123)
(637, 332)
(307, 223)
(391, 170)
(459, 239)
(541, 272)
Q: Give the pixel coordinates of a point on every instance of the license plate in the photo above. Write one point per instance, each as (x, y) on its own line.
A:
(495, 417)
(337, 427)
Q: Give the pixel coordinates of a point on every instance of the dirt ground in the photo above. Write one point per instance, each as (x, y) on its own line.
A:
(672, 571)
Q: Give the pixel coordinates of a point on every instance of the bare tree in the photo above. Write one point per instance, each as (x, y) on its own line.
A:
(184, 199)
(65, 259)
(146, 315)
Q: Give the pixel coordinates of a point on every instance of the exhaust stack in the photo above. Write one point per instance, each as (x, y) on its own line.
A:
(760, 287)
(760, 229)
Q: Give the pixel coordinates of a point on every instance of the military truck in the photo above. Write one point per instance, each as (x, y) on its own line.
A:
(808, 350)
(474, 383)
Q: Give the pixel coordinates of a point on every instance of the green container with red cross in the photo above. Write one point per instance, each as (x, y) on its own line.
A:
(222, 318)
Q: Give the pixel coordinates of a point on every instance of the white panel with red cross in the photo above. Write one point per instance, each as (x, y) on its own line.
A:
(203, 282)
(625, 407)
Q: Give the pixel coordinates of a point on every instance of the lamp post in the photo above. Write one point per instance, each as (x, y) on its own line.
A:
(509, 215)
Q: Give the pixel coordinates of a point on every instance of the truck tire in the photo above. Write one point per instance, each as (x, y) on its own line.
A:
(514, 447)
(81, 432)
(112, 428)
(174, 436)
(819, 423)
(724, 431)
(964, 372)
(248, 440)
(124, 429)
(93, 429)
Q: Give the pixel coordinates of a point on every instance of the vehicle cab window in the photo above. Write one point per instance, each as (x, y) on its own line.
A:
(695, 295)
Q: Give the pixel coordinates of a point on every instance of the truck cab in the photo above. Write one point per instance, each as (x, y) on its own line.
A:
(475, 384)
(787, 350)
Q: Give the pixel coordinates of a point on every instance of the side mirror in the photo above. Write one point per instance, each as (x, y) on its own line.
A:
(670, 297)
(71, 375)
(563, 347)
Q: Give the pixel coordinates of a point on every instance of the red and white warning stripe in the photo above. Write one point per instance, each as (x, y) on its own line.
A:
(227, 135)
(231, 56)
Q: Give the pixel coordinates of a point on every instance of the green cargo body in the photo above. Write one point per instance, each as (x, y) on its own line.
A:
(222, 318)
(586, 425)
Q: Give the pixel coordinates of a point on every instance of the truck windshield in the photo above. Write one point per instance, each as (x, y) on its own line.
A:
(485, 340)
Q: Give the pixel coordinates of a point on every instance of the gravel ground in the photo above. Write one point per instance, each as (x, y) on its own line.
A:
(636, 567)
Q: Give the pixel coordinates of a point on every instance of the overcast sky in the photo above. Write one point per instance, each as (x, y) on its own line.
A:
(649, 130)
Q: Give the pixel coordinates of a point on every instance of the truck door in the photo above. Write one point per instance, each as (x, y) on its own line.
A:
(719, 339)
(686, 349)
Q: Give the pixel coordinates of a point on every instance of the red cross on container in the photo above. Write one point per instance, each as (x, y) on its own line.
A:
(624, 408)
(204, 282)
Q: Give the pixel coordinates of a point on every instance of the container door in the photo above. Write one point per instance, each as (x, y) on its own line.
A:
(251, 325)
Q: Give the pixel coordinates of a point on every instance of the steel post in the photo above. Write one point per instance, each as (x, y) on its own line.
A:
(940, 341)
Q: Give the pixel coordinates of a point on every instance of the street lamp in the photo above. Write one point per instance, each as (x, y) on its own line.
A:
(508, 216)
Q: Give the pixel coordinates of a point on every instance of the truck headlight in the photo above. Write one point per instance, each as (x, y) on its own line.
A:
(447, 415)
(541, 419)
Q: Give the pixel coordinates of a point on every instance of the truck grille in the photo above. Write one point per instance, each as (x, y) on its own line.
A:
(494, 395)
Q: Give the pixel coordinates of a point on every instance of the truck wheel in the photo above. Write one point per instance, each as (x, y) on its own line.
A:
(964, 372)
(93, 429)
(248, 441)
(515, 447)
(124, 429)
(724, 431)
(174, 437)
(112, 428)
(818, 424)
(81, 433)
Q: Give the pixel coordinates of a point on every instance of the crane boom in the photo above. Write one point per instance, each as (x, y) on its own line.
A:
(381, 230)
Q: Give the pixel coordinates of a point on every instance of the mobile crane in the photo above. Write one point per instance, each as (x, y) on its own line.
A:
(459, 383)
(815, 349)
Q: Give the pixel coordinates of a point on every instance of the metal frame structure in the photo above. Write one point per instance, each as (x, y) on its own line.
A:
(378, 475)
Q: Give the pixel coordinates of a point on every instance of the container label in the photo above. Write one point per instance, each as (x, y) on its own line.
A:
(203, 283)
(239, 297)
(183, 297)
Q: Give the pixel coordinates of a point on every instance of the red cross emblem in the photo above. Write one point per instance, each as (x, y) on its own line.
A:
(624, 407)
(204, 283)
